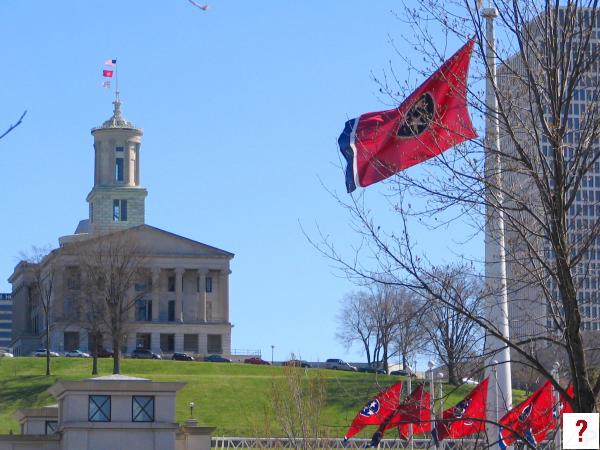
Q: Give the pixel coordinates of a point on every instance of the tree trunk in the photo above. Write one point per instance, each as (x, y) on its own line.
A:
(47, 346)
(116, 355)
(95, 356)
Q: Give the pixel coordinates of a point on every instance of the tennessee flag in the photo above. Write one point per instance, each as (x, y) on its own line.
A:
(107, 73)
(431, 120)
(376, 410)
(415, 410)
(532, 419)
(466, 418)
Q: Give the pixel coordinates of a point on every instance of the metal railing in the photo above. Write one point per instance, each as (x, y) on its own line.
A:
(222, 443)
(244, 351)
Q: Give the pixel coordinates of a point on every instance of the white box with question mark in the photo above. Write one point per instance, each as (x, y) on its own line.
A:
(581, 431)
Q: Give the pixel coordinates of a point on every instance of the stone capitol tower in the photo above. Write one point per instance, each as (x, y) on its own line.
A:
(117, 200)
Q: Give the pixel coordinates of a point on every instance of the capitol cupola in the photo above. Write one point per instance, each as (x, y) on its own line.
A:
(117, 200)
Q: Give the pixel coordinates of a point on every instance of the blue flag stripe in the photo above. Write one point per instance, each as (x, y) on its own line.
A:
(346, 149)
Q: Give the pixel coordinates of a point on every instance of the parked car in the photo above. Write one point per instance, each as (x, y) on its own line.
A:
(103, 353)
(182, 357)
(297, 363)
(77, 354)
(338, 364)
(469, 381)
(403, 373)
(217, 358)
(257, 360)
(42, 353)
(372, 370)
(144, 353)
(6, 354)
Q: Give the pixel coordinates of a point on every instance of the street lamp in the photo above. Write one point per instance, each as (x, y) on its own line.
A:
(192, 404)
(272, 350)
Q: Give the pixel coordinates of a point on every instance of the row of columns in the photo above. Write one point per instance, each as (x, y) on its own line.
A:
(222, 292)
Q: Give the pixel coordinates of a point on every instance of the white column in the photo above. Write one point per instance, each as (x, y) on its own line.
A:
(495, 258)
(224, 294)
(179, 342)
(201, 295)
(155, 294)
(179, 294)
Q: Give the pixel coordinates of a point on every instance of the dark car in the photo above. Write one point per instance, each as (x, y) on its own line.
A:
(182, 357)
(404, 373)
(144, 353)
(297, 363)
(257, 360)
(217, 358)
(372, 370)
(103, 353)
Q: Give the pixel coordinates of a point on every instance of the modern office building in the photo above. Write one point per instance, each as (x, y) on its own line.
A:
(5, 320)
(182, 293)
(529, 287)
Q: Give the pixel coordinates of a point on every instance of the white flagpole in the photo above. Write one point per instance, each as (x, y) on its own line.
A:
(496, 350)
(557, 435)
(410, 427)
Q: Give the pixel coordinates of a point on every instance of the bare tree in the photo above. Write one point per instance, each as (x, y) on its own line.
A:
(41, 266)
(93, 317)
(455, 341)
(113, 263)
(355, 324)
(547, 58)
(298, 399)
(411, 336)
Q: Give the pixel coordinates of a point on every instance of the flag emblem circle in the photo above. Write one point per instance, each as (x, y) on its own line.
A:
(371, 409)
(525, 414)
(418, 117)
(460, 409)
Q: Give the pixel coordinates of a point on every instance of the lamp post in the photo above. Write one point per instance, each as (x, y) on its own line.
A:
(272, 352)
(192, 404)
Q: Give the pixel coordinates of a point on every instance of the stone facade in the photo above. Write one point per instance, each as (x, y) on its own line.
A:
(111, 412)
(182, 297)
(5, 320)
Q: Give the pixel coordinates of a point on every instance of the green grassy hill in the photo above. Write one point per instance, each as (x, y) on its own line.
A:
(235, 398)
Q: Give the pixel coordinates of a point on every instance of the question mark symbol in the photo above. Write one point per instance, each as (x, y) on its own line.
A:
(583, 424)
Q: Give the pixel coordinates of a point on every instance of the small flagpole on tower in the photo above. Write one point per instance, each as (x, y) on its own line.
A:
(116, 80)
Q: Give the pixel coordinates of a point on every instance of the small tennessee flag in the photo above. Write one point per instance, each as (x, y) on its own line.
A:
(431, 120)
(110, 62)
(107, 73)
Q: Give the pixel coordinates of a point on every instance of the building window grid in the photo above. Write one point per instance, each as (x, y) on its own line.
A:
(142, 408)
(51, 426)
(99, 408)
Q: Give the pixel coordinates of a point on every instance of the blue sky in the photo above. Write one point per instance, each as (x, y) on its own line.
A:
(241, 108)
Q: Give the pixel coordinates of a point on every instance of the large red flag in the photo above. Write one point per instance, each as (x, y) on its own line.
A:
(376, 410)
(414, 410)
(431, 120)
(466, 418)
(532, 419)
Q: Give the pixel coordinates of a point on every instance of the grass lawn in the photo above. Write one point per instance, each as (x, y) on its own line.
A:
(235, 398)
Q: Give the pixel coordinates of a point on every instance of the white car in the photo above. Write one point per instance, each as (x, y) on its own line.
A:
(4, 354)
(77, 354)
(41, 352)
(338, 364)
(469, 381)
